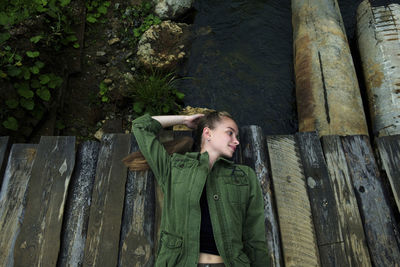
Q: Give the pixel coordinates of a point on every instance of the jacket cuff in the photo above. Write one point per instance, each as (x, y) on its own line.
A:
(146, 122)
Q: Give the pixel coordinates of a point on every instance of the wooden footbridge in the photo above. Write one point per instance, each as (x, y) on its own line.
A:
(326, 201)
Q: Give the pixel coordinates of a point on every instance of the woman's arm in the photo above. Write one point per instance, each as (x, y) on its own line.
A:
(171, 120)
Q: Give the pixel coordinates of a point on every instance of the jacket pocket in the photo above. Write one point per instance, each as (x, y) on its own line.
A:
(170, 250)
(237, 188)
(243, 260)
(182, 169)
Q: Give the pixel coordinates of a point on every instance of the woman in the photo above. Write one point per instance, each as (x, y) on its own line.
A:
(213, 213)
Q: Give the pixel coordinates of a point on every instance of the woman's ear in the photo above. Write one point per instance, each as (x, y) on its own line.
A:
(206, 134)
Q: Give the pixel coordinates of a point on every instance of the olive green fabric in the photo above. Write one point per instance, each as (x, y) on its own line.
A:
(234, 198)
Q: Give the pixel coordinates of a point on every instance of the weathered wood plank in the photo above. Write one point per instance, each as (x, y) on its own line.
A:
(349, 216)
(379, 223)
(4, 145)
(138, 223)
(77, 206)
(38, 242)
(322, 199)
(102, 242)
(12, 198)
(254, 154)
(389, 150)
(294, 212)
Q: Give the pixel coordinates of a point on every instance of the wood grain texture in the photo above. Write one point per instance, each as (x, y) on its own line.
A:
(102, 242)
(389, 150)
(4, 147)
(138, 223)
(379, 224)
(348, 214)
(299, 242)
(38, 242)
(77, 206)
(323, 202)
(254, 154)
(12, 196)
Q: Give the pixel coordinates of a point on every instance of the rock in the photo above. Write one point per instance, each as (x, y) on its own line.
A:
(164, 45)
(100, 53)
(99, 134)
(107, 81)
(113, 41)
(171, 9)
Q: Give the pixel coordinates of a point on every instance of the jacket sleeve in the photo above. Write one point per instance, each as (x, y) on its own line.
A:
(254, 238)
(145, 130)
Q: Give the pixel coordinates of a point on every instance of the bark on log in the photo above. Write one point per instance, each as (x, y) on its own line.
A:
(348, 214)
(378, 33)
(4, 145)
(323, 202)
(12, 198)
(78, 205)
(327, 91)
(136, 247)
(389, 150)
(254, 154)
(38, 242)
(102, 242)
(299, 242)
(379, 224)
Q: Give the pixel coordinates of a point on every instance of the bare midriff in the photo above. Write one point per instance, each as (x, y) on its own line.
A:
(210, 258)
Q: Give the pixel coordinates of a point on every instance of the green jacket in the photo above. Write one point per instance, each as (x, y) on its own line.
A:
(234, 198)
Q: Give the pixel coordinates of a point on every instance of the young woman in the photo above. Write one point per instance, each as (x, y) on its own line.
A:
(213, 213)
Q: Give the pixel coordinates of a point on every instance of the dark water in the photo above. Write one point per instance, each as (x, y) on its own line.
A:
(241, 61)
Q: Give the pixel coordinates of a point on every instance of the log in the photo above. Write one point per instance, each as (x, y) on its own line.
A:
(4, 145)
(298, 238)
(323, 202)
(378, 27)
(389, 150)
(12, 198)
(348, 214)
(136, 247)
(254, 154)
(327, 91)
(102, 241)
(78, 204)
(38, 242)
(379, 224)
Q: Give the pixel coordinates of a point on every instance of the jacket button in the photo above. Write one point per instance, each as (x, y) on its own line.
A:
(216, 197)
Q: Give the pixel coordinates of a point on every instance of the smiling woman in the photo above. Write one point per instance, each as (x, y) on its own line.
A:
(213, 212)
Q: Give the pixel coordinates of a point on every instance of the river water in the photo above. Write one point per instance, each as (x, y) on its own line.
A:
(241, 61)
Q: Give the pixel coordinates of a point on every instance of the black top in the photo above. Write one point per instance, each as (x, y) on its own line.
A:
(207, 242)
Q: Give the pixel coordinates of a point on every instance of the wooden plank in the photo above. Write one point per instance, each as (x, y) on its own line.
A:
(299, 242)
(38, 242)
(102, 242)
(138, 223)
(4, 145)
(12, 197)
(379, 223)
(322, 199)
(78, 205)
(349, 217)
(254, 154)
(389, 150)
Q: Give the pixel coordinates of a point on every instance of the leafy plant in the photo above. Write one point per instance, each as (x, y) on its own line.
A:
(95, 9)
(103, 92)
(138, 19)
(155, 94)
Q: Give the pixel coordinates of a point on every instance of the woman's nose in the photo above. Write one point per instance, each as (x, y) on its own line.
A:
(236, 141)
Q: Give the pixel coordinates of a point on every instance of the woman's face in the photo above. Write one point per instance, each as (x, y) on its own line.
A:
(223, 139)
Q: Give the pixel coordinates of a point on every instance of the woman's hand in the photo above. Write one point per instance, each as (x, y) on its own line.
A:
(191, 121)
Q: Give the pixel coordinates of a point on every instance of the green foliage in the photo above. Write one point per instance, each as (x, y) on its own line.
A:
(103, 92)
(95, 9)
(138, 19)
(155, 94)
